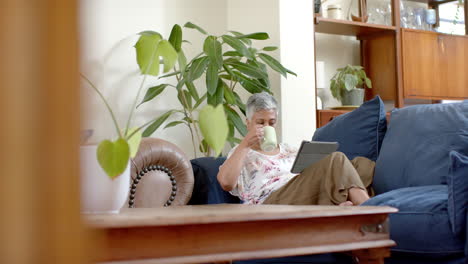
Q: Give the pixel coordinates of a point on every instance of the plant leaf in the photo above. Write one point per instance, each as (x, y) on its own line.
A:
(217, 98)
(188, 98)
(231, 129)
(237, 45)
(169, 74)
(182, 60)
(214, 127)
(257, 35)
(273, 63)
(149, 33)
(174, 123)
(168, 54)
(270, 48)
(227, 77)
(176, 37)
(368, 83)
(350, 81)
(240, 103)
(199, 101)
(248, 84)
(113, 156)
(212, 48)
(232, 53)
(145, 47)
(245, 40)
(153, 92)
(157, 123)
(250, 70)
(183, 101)
(212, 78)
(228, 70)
(193, 90)
(191, 25)
(228, 95)
(262, 67)
(134, 141)
(236, 120)
(197, 68)
(220, 92)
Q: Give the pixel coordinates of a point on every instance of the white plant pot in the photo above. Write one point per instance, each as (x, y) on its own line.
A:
(99, 193)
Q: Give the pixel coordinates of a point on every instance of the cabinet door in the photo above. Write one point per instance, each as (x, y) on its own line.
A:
(420, 63)
(434, 65)
(453, 59)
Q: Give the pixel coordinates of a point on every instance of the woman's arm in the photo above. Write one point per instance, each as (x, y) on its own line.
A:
(231, 169)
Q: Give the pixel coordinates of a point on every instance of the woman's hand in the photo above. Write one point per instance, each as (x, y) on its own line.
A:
(254, 136)
(230, 171)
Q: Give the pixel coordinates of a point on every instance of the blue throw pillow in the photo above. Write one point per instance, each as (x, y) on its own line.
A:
(421, 226)
(206, 189)
(457, 182)
(360, 132)
(415, 150)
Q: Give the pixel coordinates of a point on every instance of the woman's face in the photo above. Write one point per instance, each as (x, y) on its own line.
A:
(264, 118)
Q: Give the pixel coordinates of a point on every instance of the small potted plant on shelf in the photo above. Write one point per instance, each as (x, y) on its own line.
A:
(347, 83)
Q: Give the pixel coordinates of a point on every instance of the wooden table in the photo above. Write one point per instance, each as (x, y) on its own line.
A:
(211, 233)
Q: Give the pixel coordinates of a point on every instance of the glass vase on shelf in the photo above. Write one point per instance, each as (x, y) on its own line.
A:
(431, 19)
(420, 18)
(380, 12)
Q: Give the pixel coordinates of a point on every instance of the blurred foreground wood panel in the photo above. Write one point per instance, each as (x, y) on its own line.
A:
(39, 104)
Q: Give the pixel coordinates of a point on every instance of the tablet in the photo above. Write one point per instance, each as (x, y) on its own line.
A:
(311, 152)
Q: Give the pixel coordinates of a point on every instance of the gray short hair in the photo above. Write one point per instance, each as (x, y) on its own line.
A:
(260, 101)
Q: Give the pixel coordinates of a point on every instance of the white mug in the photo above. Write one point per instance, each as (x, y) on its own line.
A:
(269, 142)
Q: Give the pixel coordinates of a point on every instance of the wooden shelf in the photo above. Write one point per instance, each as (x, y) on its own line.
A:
(349, 28)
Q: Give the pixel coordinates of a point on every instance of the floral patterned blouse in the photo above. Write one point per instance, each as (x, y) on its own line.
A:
(262, 174)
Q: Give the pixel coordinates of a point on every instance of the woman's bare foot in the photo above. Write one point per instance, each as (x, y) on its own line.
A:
(357, 195)
(347, 203)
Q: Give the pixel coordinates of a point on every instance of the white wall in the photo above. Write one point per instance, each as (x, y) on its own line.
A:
(297, 51)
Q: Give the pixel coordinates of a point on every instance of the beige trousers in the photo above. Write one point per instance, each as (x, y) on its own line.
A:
(326, 182)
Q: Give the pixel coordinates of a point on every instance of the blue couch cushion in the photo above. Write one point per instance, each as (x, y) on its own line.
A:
(415, 150)
(206, 189)
(360, 132)
(422, 224)
(458, 192)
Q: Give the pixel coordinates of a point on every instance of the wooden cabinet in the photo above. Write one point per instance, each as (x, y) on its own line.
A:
(325, 116)
(434, 65)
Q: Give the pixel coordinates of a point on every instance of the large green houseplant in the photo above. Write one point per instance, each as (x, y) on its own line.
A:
(345, 83)
(226, 62)
(113, 156)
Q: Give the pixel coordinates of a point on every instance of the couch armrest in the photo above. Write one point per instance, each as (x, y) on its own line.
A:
(161, 175)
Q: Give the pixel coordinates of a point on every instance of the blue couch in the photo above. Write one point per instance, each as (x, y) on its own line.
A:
(421, 169)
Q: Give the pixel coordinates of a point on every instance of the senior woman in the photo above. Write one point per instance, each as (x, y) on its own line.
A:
(259, 177)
